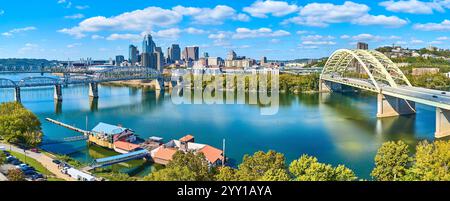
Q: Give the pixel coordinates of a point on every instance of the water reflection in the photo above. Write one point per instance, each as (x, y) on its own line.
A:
(336, 128)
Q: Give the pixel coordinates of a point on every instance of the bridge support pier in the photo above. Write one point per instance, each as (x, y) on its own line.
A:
(323, 86)
(388, 106)
(57, 94)
(442, 123)
(93, 90)
(158, 84)
(17, 94)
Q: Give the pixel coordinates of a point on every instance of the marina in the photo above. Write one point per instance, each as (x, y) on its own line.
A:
(130, 146)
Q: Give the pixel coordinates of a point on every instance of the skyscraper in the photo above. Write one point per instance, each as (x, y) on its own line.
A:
(159, 59)
(190, 53)
(145, 59)
(148, 46)
(263, 60)
(362, 46)
(175, 53)
(231, 55)
(119, 59)
(132, 54)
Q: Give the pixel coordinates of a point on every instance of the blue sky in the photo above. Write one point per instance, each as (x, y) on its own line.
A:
(62, 29)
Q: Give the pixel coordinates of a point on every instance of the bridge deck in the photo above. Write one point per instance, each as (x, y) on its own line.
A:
(431, 97)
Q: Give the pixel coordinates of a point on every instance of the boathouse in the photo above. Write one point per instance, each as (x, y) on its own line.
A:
(106, 134)
(164, 153)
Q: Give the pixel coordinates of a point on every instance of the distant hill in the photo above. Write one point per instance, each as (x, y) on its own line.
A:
(26, 62)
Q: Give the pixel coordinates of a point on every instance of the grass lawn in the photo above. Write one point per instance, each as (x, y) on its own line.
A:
(32, 162)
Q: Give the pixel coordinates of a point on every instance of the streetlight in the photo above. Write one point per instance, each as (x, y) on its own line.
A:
(25, 152)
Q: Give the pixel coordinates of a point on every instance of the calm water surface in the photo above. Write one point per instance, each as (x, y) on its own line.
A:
(336, 128)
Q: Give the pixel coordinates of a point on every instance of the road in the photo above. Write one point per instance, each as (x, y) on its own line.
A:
(45, 160)
(431, 97)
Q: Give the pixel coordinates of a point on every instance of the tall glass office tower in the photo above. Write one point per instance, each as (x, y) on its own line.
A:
(148, 46)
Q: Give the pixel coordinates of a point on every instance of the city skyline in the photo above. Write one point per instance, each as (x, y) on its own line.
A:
(276, 29)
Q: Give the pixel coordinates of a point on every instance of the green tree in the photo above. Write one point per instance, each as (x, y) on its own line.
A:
(15, 175)
(19, 125)
(226, 174)
(184, 167)
(172, 174)
(307, 168)
(2, 158)
(391, 161)
(276, 175)
(432, 162)
(255, 167)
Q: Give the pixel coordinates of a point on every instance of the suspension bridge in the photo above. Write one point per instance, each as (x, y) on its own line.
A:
(371, 70)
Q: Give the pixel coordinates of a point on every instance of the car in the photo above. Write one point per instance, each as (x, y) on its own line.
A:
(16, 162)
(10, 158)
(434, 96)
(57, 162)
(37, 177)
(35, 150)
(29, 172)
(23, 166)
(443, 93)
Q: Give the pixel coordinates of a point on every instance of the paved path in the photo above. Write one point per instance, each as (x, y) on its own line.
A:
(3, 177)
(45, 160)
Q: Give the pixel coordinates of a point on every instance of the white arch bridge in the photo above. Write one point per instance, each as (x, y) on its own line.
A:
(372, 71)
(91, 78)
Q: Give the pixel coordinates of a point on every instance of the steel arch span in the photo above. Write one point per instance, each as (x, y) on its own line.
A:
(381, 71)
(126, 73)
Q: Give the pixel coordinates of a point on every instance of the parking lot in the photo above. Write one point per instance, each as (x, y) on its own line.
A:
(11, 162)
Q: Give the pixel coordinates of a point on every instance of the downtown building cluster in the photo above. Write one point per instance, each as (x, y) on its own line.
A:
(152, 56)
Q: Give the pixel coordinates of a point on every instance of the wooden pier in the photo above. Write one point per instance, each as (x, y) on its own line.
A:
(69, 126)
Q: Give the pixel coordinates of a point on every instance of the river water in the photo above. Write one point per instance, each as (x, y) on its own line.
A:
(336, 128)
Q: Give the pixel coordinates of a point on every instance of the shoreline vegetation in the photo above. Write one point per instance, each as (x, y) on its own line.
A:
(288, 83)
(394, 161)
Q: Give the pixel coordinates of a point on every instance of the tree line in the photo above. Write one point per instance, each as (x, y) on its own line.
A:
(393, 162)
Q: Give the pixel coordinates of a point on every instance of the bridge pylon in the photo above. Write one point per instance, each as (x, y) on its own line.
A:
(57, 94)
(388, 106)
(17, 94)
(93, 90)
(442, 123)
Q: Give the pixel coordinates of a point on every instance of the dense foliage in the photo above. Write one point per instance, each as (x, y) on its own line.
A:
(2, 158)
(391, 161)
(15, 175)
(431, 161)
(19, 125)
(299, 83)
(184, 167)
(430, 81)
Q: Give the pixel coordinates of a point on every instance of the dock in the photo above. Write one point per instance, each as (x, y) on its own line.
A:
(68, 126)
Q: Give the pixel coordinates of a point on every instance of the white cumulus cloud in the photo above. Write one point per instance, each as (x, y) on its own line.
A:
(413, 6)
(138, 20)
(242, 33)
(276, 8)
(323, 14)
(18, 30)
(74, 16)
(443, 26)
(216, 15)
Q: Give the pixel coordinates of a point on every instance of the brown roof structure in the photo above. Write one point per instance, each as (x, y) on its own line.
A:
(212, 154)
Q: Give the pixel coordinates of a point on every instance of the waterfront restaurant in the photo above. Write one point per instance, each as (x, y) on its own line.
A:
(106, 134)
